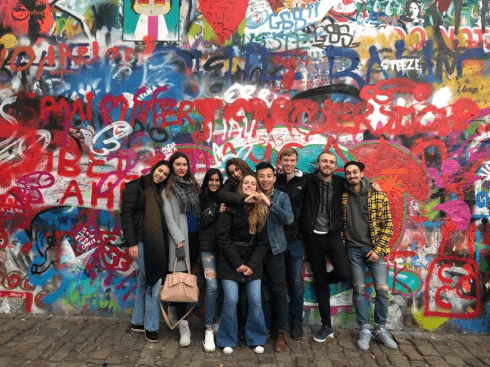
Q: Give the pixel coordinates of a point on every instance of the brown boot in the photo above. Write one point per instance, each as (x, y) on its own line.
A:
(282, 341)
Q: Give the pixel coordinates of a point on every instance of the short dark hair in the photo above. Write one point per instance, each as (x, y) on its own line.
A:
(359, 165)
(264, 165)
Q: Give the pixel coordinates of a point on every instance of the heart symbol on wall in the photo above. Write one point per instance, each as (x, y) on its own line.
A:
(224, 16)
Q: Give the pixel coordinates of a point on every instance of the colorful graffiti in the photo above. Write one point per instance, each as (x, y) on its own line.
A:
(93, 93)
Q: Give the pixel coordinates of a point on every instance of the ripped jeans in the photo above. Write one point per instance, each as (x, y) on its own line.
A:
(214, 295)
(379, 274)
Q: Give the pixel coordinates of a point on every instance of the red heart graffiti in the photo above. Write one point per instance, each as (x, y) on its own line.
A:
(224, 16)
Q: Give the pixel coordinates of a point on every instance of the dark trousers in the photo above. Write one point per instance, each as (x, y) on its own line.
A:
(330, 245)
(275, 268)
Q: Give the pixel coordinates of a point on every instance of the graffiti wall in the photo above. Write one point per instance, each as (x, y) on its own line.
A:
(92, 93)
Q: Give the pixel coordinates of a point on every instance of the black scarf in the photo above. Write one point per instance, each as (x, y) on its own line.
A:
(155, 239)
(186, 194)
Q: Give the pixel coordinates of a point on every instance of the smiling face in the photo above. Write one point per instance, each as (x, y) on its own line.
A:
(235, 172)
(249, 185)
(326, 164)
(288, 163)
(161, 174)
(353, 175)
(180, 167)
(267, 178)
(213, 183)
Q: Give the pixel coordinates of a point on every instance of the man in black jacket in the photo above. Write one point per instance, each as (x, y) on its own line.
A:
(292, 181)
(322, 223)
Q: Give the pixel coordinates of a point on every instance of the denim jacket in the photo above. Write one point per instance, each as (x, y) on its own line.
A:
(280, 214)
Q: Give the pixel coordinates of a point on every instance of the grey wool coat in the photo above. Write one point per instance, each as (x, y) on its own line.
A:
(177, 231)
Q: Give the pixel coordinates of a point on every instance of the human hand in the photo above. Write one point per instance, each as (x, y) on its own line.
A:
(252, 198)
(372, 256)
(376, 187)
(248, 271)
(222, 208)
(241, 269)
(133, 252)
(264, 199)
(180, 253)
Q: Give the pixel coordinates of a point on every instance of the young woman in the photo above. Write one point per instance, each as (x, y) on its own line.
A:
(236, 168)
(243, 243)
(210, 209)
(145, 233)
(181, 209)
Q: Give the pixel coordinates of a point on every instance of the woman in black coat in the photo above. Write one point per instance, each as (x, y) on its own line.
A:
(210, 210)
(243, 243)
(145, 233)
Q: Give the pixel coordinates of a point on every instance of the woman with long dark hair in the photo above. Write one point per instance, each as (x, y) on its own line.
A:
(145, 233)
(181, 209)
(243, 243)
(210, 210)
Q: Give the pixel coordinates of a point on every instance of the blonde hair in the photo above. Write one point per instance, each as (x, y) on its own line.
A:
(256, 212)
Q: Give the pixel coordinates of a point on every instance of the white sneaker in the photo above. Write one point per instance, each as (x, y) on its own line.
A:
(227, 350)
(185, 333)
(259, 349)
(209, 341)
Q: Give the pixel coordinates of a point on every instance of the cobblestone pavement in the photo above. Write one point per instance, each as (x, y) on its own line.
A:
(32, 340)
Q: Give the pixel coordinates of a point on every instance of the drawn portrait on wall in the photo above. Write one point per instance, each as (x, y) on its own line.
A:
(156, 18)
(413, 14)
(22, 17)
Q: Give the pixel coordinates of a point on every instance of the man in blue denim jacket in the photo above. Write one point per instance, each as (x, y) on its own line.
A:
(280, 214)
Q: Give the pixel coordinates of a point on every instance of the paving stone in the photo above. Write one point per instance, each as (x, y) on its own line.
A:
(427, 350)
(454, 361)
(434, 361)
(398, 361)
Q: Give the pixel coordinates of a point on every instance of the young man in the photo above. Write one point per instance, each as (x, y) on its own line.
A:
(292, 181)
(322, 222)
(367, 232)
(280, 214)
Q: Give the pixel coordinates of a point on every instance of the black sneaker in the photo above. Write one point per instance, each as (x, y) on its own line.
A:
(137, 328)
(151, 336)
(324, 333)
(297, 330)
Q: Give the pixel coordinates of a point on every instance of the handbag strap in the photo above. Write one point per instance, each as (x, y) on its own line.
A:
(186, 264)
(166, 317)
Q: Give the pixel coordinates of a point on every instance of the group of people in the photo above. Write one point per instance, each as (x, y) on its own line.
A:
(252, 229)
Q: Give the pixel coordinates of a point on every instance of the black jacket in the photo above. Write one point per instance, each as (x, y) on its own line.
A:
(312, 199)
(296, 189)
(207, 234)
(228, 195)
(133, 212)
(236, 247)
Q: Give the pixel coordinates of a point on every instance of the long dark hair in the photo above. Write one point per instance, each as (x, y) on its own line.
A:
(188, 176)
(204, 187)
(150, 182)
(240, 163)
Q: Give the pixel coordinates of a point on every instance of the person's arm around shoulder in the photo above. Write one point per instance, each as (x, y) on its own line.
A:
(281, 207)
(228, 196)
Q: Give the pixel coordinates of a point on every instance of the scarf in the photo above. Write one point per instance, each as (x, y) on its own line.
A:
(185, 192)
(154, 240)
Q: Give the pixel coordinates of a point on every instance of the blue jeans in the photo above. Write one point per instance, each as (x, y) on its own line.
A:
(255, 332)
(146, 309)
(379, 273)
(294, 275)
(213, 294)
(276, 271)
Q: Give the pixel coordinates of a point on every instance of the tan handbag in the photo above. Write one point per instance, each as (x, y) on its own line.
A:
(179, 287)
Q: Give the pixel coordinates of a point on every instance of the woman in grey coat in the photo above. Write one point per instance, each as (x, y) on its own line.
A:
(181, 210)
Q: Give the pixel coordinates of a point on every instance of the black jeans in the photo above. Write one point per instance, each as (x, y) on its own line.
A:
(330, 245)
(275, 267)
